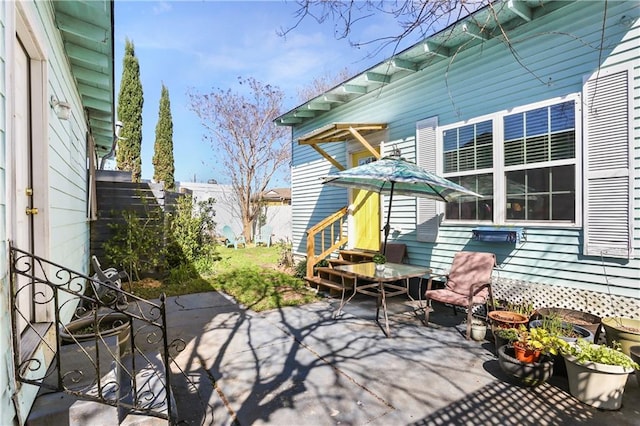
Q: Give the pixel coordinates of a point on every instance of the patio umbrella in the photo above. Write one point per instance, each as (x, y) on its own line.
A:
(395, 175)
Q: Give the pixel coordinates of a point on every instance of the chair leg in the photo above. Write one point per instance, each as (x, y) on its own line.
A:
(469, 320)
(427, 310)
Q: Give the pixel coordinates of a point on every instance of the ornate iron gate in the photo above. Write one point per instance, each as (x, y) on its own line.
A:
(93, 340)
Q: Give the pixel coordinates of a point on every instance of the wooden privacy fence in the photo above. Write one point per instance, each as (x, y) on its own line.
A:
(116, 193)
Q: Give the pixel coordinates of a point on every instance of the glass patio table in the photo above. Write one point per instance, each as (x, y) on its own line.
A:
(383, 284)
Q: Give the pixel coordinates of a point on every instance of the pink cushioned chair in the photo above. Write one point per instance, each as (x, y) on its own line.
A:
(468, 284)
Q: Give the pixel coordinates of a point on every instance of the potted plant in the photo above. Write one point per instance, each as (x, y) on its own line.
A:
(625, 331)
(537, 344)
(597, 374)
(527, 373)
(478, 329)
(566, 331)
(507, 319)
(635, 356)
(533, 343)
(379, 260)
(583, 319)
(505, 336)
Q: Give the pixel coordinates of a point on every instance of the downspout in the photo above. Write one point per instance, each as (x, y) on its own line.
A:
(112, 152)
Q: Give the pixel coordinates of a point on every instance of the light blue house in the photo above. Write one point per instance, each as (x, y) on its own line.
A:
(534, 105)
(56, 98)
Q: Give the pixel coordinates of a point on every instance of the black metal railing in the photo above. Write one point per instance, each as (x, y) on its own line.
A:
(89, 338)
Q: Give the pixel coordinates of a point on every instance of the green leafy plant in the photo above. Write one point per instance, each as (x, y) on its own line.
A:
(539, 339)
(589, 352)
(555, 326)
(509, 334)
(190, 228)
(286, 254)
(137, 244)
(379, 259)
(524, 308)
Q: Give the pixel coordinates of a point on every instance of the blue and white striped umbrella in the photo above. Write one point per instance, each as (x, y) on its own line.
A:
(395, 175)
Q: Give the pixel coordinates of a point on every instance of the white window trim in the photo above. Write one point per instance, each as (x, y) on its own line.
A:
(498, 170)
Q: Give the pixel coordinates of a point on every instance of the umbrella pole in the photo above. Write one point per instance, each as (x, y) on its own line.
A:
(387, 227)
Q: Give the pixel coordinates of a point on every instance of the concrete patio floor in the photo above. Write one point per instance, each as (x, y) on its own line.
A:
(301, 366)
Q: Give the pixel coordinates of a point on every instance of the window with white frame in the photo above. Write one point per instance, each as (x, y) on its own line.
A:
(523, 163)
(468, 161)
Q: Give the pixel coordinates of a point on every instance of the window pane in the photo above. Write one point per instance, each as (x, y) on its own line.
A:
(563, 116)
(467, 158)
(472, 208)
(450, 139)
(542, 140)
(537, 149)
(516, 182)
(537, 122)
(452, 211)
(468, 147)
(563, 207)
(563, 146)
(451, 161)
(514, 152)
(541, 194)
(513, 127)
(538, 180)
(538, 207)
(467, 136)
(563, 178)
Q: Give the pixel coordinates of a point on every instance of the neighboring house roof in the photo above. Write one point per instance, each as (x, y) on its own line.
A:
(276, 194)
(87, 32)
(474, 29)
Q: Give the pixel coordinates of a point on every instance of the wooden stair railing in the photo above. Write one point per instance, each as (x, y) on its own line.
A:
(330, 233)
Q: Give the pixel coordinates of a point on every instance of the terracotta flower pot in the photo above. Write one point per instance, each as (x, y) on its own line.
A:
(507, 319)
(525, 354)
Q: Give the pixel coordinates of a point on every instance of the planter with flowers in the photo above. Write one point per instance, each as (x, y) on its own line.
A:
(598, 374)
(528, 358)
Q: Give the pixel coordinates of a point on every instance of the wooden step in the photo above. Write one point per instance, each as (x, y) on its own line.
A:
(357, 255)
(331, 278)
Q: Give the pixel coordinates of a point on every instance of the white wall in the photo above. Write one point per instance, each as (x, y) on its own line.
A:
(228, 211)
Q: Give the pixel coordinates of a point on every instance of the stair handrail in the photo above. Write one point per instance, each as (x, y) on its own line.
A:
(76, 295)
(336, 239)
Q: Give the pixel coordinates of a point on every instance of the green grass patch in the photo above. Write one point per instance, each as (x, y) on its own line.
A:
(250, 275)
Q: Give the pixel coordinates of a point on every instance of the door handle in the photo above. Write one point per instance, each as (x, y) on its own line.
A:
(29, 211)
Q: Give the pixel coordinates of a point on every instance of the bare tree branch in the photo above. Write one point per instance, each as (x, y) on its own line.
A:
(249, 147)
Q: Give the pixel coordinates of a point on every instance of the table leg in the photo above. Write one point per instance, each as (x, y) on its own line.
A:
(344, 302)
(382, 300)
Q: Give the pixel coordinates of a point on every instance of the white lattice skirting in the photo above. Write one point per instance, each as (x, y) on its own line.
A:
(551, 296)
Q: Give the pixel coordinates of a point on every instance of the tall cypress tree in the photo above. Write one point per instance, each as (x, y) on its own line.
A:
(130, 102)
(163, 166)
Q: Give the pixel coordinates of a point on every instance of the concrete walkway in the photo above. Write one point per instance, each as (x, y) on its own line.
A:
(300, 366)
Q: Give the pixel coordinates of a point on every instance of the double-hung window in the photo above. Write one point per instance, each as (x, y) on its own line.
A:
(468, 161)
(523, 162)
(540, 164)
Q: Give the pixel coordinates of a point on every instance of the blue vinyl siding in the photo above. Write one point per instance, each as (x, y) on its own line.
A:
(555, 54)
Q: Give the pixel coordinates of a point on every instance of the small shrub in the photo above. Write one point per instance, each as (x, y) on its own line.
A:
(301, 269)
(137, 244)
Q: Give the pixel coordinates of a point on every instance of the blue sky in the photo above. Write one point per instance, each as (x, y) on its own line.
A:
(203, 45)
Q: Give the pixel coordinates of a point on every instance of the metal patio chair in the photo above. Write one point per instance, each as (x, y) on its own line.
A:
(468, 284)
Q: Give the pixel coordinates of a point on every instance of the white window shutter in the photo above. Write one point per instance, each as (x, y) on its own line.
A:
(608, 225)
(428, 219)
